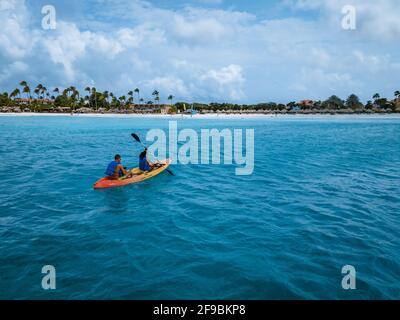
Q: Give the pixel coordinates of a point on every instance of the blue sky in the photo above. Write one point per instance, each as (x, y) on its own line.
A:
(205, 50)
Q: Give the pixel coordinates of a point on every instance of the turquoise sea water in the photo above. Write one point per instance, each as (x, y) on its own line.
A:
(325, 193)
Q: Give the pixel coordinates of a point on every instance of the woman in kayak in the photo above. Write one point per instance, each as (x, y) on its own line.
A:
(144, 164)
(116, 170)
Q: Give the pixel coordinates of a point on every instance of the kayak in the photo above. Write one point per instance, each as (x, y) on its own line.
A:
(138, 176)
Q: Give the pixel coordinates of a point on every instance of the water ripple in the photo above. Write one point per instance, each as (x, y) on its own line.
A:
(324, 194)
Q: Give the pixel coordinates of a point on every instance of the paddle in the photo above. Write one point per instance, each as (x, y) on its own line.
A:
(136, 137)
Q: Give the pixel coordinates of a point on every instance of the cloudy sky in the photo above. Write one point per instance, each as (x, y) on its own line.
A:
(205, 50)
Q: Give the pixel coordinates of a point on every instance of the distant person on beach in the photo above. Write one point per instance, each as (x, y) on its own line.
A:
(144, 163)
(116, 170)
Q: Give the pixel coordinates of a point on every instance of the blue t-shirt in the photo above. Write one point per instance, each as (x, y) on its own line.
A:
(143, 165)
(111, 168)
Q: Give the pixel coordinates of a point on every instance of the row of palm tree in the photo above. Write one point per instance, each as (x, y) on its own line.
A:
(332, 104)
(40, 91)
(71, 97)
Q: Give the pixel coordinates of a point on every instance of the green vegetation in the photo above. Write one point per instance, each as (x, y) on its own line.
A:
(71, 100)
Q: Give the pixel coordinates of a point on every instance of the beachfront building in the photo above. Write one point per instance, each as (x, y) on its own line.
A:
(165, 108)
(396, 104)
(24, 101)
(84, 110)
(149, 108)
(306, 104)
(7, 109)
(63, 109)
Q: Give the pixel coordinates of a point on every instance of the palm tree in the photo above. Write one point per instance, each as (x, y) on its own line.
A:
(24, 86)
(38, 90)
(130, 93)
(138, 93)
(94, 92)
(397, 94)
(72, 89)
(170, 98)
(122, 100)
(75, 96)
(15, 93)
(114, 100)
(155, 94)
(43, 91)
(130, 101)
(102, 100)
(141, 100)
(27, 90)
(56, 90)
(89, 91)
(106, 95)
(376, 96)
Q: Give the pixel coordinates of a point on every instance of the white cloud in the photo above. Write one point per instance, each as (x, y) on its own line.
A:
(69, 44)
(169, 85)
(201, 30)
(313, 81)
(16, 39)
(66, 47)
(227, 75)
(207, 54)
(140, 36)
(16, 67)
(229, 80)
(378, 19)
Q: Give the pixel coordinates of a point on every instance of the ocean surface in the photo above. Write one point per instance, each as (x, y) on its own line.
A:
(325, 193)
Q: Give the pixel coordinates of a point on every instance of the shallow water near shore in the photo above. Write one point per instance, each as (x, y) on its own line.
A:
(325, 193)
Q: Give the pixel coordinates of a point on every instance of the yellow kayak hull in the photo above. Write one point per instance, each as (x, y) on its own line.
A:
(138, 176)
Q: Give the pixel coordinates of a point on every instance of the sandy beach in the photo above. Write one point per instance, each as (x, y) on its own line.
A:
(208, 116)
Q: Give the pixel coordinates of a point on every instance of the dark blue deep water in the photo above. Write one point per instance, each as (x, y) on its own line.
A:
(325, 193)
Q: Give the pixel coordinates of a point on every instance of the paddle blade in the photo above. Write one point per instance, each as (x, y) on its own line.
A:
(136, 137)
(170, 172)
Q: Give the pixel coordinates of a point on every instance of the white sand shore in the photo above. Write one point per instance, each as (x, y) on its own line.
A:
(208, 116)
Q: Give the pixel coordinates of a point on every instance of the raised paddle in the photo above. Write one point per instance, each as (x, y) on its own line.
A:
(136, 137)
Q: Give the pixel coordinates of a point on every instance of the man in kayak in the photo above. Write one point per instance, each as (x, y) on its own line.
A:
(144, 163)
(116, 170)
